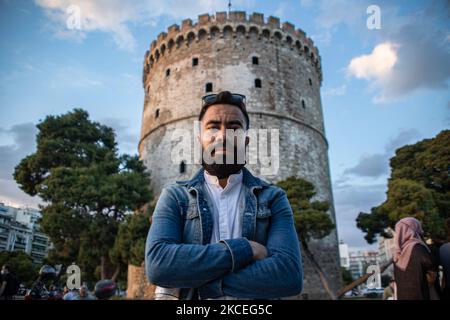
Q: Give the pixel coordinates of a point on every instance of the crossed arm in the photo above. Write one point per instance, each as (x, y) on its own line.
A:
(234, 267)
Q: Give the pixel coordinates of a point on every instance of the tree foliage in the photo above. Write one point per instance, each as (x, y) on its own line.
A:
(311, 217)
(419, 186)
(20, 264)
(87, 187)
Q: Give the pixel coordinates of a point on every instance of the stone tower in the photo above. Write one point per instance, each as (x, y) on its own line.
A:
(279, 70)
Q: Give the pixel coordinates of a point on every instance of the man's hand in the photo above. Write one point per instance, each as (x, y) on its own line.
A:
(259, 251)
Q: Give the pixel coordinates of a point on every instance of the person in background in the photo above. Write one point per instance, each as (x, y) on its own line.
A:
(70, 294)
(84, 294)
(389, 291)
(414, 265)
(6, 284)
(444, 257)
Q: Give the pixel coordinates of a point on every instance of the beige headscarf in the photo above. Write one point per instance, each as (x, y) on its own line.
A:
(407, 235)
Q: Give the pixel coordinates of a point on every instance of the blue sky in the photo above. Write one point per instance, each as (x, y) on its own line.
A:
(382, 88)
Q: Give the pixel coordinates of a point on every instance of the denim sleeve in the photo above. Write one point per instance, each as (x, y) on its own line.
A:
(172, 264)
(278, 275)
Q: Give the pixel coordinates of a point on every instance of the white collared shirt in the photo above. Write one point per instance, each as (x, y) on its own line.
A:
(226, 206)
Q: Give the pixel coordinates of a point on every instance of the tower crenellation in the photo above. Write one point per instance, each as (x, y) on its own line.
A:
(207, 26)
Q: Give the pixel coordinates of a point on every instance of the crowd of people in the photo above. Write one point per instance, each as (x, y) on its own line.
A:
(10, 288)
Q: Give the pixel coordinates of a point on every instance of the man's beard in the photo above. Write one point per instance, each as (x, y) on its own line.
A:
(224, 170)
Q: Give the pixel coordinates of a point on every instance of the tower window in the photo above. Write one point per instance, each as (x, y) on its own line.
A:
(182, 167)
(167, 72)
(310, 81)
(255, 60)
(257, 83)
(303, 104)
(195, 62)
(157, 113)
(209, 87)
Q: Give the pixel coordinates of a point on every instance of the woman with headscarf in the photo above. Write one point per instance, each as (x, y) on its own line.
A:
(414, 266)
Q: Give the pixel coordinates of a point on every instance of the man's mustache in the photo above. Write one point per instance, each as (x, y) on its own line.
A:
(229, 150)
(221, 145)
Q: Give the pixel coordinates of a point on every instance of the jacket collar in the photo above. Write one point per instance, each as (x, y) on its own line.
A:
(248, 179)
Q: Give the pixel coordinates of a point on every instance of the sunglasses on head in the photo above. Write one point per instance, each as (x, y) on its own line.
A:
(236, 98)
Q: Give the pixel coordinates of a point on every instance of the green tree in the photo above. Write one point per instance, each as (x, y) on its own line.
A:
(419, 186)
(87, 188)
(311, 218)
(21, 264)
(346, 276)
(129, 245)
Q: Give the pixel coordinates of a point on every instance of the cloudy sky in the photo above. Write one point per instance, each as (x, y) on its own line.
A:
(383, 88)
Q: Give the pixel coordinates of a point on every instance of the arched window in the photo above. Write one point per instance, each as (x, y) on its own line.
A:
(310, 81)
(209, 87)
(257, 83)
(157, 113)
(195, 62)
(182, 167)
(227, 32)
(255, 60)
(240, 31)
(202, 34)
(167, 72)
(303, 104)
(253, 32)
(214, 32)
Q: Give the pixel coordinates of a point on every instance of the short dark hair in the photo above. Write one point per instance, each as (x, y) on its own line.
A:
(226, 97)
(6, 266)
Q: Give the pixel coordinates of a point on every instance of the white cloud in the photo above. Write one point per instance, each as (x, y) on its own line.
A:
(377, 65)
(21, 141)
(370, 165)
(127, 137)
(350, 200)
(377, 164)
(335, 12)
(335, 91)
(412, 55)
(281, 10)
(117, 16)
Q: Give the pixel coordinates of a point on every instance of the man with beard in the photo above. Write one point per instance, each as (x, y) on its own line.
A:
(224, 234)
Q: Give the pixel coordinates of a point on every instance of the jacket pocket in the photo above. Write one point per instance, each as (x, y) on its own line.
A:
(263, 211)
(192, 226)
(192, 212)
(263, 217)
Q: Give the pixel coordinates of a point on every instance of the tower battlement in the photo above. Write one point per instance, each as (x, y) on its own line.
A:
(233, 24)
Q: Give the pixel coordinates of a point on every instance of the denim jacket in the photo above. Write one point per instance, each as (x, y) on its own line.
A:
(179, 254)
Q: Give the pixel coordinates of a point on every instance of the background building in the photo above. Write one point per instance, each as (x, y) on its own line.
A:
(386, 251)
(344, 254)
(360, 260)
(19, 231)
